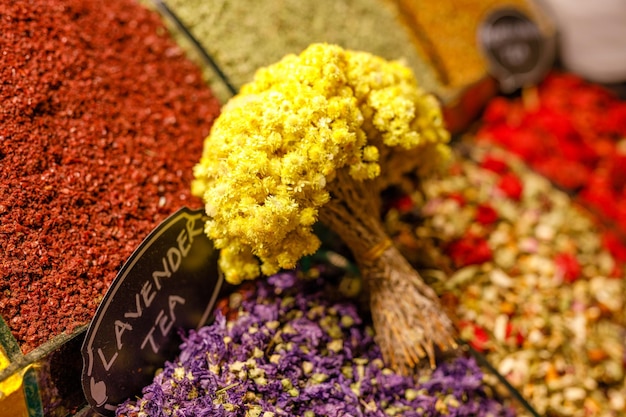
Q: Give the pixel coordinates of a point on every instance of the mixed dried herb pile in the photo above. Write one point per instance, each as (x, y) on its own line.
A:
(574, 133)
(529, 276)
(288, 346)
(103, 118)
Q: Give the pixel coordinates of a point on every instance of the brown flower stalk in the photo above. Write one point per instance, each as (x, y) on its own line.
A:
(409, 320)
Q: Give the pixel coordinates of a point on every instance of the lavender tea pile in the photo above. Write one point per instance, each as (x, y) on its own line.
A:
(288, 346)
(530, 279)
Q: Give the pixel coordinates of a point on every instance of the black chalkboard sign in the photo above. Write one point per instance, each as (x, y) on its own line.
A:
(519, 54)
(170, 282)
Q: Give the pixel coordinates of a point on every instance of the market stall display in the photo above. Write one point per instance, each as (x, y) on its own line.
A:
(106, 109)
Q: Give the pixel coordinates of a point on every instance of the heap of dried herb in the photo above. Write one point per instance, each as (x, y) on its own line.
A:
(573, 132)
(291, 347)
(530, 278)
(267, 30)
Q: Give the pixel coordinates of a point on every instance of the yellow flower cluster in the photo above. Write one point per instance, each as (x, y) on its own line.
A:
(276, 145)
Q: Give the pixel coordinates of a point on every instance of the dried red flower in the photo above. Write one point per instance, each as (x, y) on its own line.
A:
(403, 204)
(494, 164)
(476, 336)
(567, 266)
(573, 133)
(485, 214)
(511, 186)
(458, 197)
(469, 250)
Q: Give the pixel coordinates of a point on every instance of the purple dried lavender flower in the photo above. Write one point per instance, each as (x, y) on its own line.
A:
(293, 351)
(265, 313)
(306, 331)
(283, 280)
(458, 376)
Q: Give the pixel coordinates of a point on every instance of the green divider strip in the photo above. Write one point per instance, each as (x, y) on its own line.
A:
(31, 392)
(30, 385)
(501, 379)
(8, 342)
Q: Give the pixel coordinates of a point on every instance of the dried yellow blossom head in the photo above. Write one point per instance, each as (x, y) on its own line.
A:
(281, 140)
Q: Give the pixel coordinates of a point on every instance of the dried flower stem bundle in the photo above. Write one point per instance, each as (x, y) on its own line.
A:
(319, 136)
(406, 312)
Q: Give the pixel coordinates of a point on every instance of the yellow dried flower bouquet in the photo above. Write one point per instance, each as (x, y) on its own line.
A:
(318, 136)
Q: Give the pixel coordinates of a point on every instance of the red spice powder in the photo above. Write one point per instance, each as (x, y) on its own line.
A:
(102, 120)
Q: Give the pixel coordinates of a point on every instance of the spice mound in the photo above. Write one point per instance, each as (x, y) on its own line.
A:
(102, 119)
(289, 346)
(267, 30)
